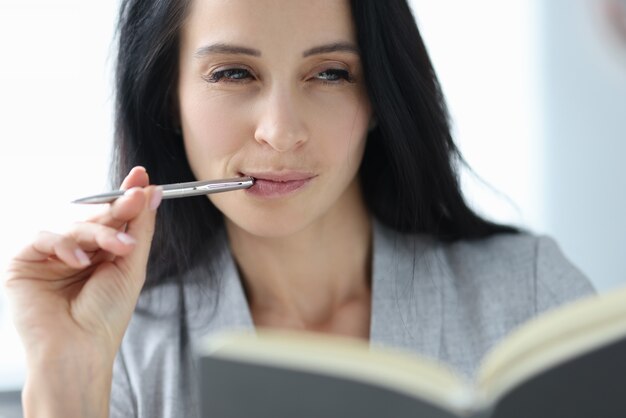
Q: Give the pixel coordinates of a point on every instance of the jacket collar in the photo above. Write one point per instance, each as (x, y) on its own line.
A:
(406, 293)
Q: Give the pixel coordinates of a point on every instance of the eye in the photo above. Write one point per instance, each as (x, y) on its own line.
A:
(334, 76)
(229, 75)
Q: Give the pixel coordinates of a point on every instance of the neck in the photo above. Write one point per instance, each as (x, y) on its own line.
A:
(304, 279)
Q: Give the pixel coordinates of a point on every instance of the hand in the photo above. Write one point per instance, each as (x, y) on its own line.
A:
(72, 295)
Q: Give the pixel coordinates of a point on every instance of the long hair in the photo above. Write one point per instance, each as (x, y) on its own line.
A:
(409, 171)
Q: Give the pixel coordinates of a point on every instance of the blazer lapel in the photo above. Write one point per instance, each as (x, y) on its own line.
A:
(407, 292)
(224, 307)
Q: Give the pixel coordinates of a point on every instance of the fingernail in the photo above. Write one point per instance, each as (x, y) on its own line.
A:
(124, 238)
(157, 196)
(82, 258)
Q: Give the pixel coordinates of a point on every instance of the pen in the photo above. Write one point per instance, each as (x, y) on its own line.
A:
(175, 190)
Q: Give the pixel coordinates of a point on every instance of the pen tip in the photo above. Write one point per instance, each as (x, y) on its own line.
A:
(82, 200)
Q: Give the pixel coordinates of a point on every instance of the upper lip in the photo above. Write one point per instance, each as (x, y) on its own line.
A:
(279, 176)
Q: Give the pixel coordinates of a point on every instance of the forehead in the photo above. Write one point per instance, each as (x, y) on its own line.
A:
(269, 23)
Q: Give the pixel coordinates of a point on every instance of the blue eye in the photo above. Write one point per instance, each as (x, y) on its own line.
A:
(334, 75)
(229, 75)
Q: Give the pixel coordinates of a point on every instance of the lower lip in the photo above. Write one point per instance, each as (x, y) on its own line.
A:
(274, 189)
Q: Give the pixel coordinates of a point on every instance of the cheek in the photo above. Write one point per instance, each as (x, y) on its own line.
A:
(342, 131)
(213, 133)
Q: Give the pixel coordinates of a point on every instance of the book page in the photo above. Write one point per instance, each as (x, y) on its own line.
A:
(553, 338)
(349, 358)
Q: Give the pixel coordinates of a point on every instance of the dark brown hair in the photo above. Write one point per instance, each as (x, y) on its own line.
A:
(409, 171)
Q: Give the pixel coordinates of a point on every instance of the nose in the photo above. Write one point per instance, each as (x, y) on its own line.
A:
(281, 124)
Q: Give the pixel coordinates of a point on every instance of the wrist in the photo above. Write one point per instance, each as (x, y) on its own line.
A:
(60, 385)
(78, 353)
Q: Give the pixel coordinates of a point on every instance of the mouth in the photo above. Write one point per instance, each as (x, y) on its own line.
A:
(275, 184)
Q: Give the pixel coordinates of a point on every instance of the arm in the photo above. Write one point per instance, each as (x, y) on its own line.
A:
(72, 296)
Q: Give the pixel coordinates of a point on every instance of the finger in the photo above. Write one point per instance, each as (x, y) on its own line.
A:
(137, 177)
(122, 210)
(116, 215)
(92, 237)
(141, 228)
(48, 244)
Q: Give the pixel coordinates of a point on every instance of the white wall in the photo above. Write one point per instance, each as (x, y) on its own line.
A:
(538, 96)
(484, 54)
(584, 96)
(55, 113)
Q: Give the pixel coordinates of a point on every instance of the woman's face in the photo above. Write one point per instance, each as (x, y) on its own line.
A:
(274, 89)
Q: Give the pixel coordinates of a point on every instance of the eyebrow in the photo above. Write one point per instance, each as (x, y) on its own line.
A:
(223, 48)
(334, 47)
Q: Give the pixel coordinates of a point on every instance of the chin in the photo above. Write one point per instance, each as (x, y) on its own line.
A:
(272, 226)
(268, 219)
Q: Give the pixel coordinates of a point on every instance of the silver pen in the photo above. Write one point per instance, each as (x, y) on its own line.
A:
(175, 190)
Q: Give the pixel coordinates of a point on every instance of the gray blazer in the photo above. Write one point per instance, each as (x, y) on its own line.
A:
(451, 302)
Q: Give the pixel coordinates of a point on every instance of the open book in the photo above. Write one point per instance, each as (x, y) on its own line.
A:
(569, 363)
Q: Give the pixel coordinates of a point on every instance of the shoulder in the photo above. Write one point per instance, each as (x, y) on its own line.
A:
(149, 350)
(454, 301)
(156, 345)
(502, 263)
(168, 320)
(501, 257)
(496, 282)
(508, 262)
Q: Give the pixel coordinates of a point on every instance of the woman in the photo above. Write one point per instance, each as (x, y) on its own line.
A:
(355, 225)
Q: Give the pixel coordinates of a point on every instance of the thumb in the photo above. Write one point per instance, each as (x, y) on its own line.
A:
(141, 229)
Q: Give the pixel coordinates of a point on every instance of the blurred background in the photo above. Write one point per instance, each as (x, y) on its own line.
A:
(536, 91)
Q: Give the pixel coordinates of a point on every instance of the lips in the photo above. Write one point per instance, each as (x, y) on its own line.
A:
(274, 184)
